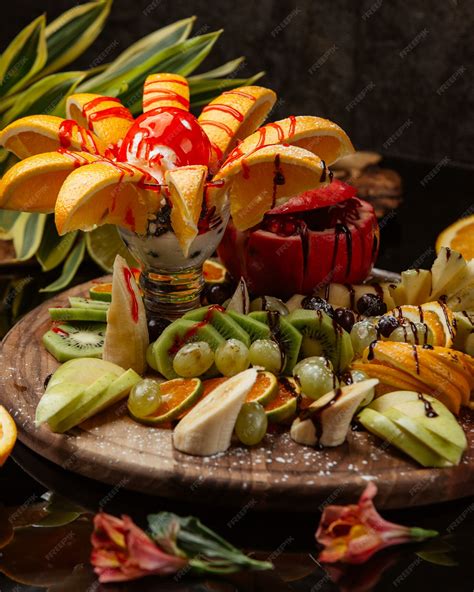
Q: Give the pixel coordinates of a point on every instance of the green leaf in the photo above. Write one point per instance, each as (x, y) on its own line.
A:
(48, 96)
(7, 221)
(54, 248)
(139, 52)
(221, 71)
(24, 57)
(104, 244)
(27, 233)
(182, 58)
(73, 32)
(203, 91)
(206, 550)
(71, 265)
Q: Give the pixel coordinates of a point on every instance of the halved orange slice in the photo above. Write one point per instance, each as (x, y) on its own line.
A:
(177, 396)
(165, 90)
(105, 192)
(33, 184)
(267, 177)
(233, 115)
(459, 237)
(101, 292)
(213, 272)
(105, 116)
(186, 192)
(46, 133)
(264, 389)
(8, 434)
(320, 136)
(284, 404)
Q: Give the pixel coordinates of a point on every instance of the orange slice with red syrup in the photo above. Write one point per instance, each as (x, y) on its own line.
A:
(33, 184)
(234, 115)
(104, 116)
(266, 177)
(106, 192)
(165, 90)
(46, 133)
(186, 192)
(315, 134)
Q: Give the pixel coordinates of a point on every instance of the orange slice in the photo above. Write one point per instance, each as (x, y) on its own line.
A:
(186, 192)
(46, 133)
(8, 434)
(320, 136)
(105, 193)
(435, 315)
(33, 184)
(268, 176)
(234, 115)
(214, 272)
(389, 376)
(165, 90)
(264, 389)
(459, 237)
(105, 116)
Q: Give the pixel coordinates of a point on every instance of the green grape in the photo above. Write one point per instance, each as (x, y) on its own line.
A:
(316, 377)
(362, 335)
(232, 357)
(144, 398)
(415, 333)
(355, 376)
(193, 359)
(266, 353)
(251, 424)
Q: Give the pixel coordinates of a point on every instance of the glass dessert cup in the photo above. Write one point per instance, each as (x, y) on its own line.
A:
(171, 281)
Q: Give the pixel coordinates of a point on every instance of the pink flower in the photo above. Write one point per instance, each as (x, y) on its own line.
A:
(122, 551)
(353, 533)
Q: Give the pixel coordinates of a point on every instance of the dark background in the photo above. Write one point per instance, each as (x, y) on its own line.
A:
(397, 75)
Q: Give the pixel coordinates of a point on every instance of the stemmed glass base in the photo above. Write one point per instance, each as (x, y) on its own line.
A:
(171, 295)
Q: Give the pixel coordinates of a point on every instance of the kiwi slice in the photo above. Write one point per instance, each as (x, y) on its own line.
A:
(221, 321)
(178, 334)
(78, 314)
(254, 328)
(283, 333)
(78, 340)
(87, 303)
(322, 337)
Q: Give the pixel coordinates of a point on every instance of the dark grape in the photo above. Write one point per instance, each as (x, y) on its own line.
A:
(217, 293)
(387, 325)
(317, 303)
(371, 305)
(156, 328)
(345, 318)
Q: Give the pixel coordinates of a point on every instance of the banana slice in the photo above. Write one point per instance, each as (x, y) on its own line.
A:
(207, 429)
(335, 410)
(126, 338)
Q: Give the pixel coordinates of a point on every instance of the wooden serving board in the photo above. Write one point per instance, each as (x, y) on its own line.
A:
(278, 474)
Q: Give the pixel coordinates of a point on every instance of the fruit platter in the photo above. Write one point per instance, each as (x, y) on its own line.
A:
(247, 349)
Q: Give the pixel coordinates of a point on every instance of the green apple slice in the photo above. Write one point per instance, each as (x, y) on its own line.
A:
(444, 425)
(438, 445)
(93, 403)
(57, 398)
(386, 429)
(82, 371)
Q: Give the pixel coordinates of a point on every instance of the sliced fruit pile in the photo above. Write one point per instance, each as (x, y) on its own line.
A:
(81, 388)
(417, 424)
(439, 371)
(101, 166)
